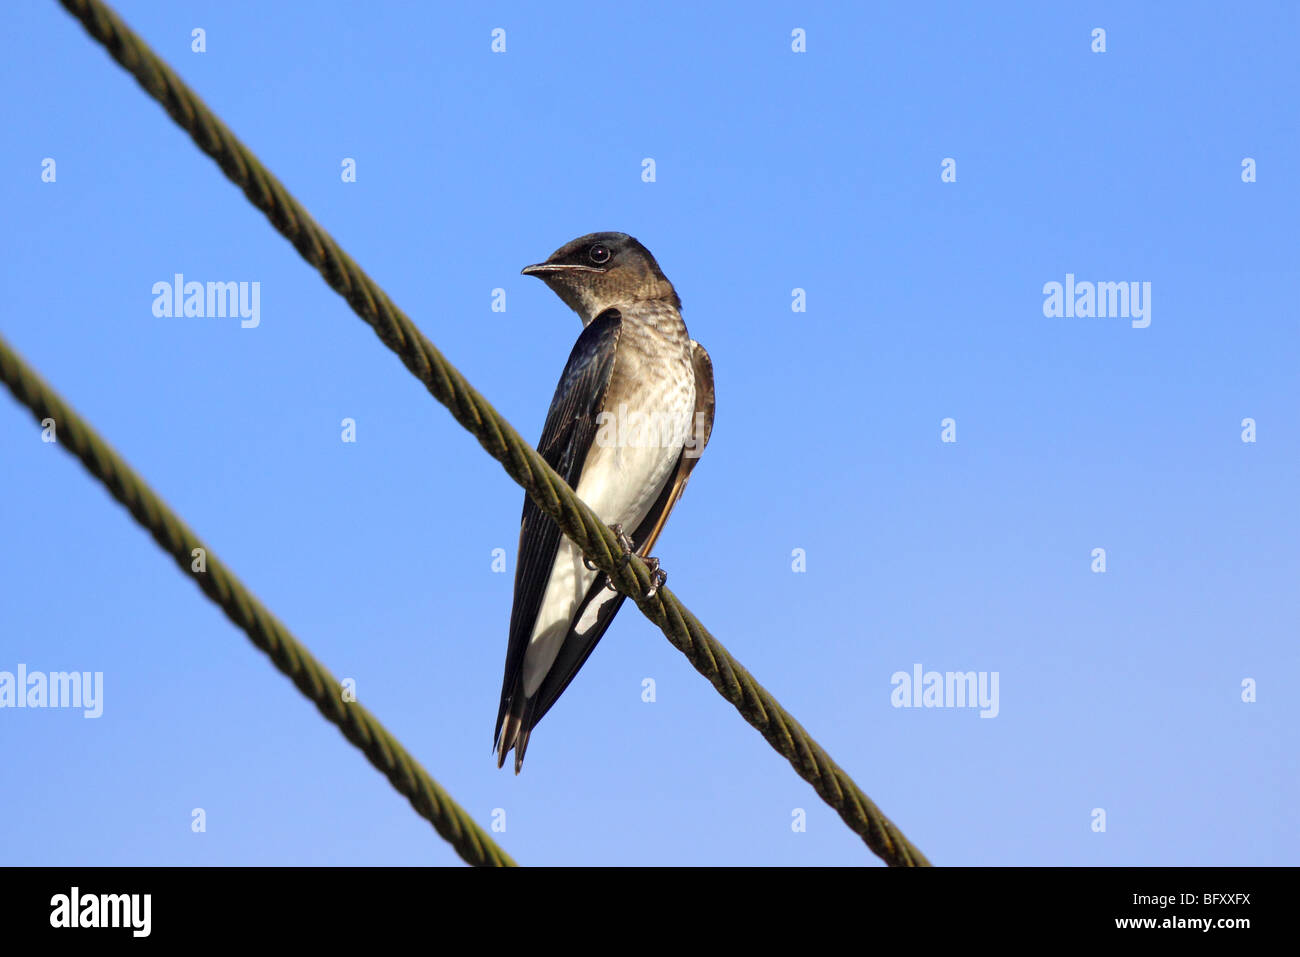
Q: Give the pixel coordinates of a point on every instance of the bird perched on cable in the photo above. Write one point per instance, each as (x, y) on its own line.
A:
(629, 420)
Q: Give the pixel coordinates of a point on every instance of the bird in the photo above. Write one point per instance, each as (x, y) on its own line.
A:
(630, 418)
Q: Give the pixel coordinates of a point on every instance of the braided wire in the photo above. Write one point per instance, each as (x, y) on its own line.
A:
(313, 679)
(496, 435)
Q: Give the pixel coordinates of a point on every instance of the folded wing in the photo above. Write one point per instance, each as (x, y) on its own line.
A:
(570, 429)
(600, 605)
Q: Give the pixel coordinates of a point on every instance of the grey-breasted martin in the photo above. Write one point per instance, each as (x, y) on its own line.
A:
(630, 418)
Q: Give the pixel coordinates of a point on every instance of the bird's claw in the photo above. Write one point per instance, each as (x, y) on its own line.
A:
(657, 575)
(657, 578)
(624, 543)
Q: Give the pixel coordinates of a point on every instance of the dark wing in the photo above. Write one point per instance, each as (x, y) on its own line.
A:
(577, 647)
(566, 439)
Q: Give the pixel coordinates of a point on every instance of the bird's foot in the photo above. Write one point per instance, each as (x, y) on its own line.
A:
(657, 578)
(624, 543)
(627, 545)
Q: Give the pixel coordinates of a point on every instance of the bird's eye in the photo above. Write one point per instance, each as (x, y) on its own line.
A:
(598, 253)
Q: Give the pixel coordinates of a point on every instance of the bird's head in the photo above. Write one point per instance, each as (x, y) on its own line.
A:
(600, 270)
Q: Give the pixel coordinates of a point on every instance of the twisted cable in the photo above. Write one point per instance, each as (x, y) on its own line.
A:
(313, 679)
(495, 434)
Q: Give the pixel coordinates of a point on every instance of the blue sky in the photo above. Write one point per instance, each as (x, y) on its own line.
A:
(775, 170)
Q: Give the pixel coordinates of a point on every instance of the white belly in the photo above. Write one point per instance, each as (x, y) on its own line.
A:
(620, 482)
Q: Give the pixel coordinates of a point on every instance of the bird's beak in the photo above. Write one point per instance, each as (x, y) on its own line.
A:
(546, 269)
